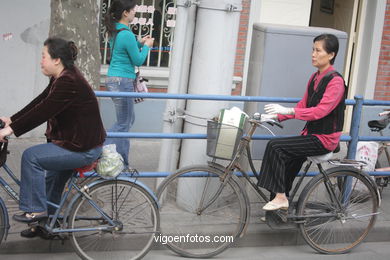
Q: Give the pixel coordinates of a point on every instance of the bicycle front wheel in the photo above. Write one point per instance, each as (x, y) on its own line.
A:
(336, 224)
(200, 215)
(2, 223)
(132, 209)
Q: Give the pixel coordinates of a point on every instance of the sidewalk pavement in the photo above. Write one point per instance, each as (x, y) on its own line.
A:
(257, 234)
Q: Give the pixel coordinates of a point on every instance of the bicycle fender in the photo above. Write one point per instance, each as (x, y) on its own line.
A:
(366, 176)
(121, 178)
(6, 219)
(142, 185)
(340, 168)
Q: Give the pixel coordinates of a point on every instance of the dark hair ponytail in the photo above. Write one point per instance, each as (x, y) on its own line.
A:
(115, 12)
(66, 51)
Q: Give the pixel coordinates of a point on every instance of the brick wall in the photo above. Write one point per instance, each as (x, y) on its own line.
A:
(382, 87)
(241, 44)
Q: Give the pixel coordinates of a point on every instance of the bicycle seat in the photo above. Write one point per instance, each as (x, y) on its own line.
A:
(86, 168)
(378, 125)
(320, 158)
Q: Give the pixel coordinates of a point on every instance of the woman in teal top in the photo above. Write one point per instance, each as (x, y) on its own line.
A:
(126, 53)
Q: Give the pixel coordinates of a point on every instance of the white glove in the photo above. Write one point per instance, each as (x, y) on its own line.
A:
(384, 113)
(278, 109)
(267, 117)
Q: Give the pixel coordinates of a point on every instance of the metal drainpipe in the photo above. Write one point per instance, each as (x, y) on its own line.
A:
(212, 68)
(178, 82)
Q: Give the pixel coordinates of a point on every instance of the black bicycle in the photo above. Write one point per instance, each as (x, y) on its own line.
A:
(383, 161)
(208, 209)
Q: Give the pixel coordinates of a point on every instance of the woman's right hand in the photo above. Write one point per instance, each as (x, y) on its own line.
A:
(6, 120)
(148, 41)
(7, 131)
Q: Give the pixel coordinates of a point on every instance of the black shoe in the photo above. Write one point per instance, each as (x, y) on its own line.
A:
(30, 232)
(29, 217)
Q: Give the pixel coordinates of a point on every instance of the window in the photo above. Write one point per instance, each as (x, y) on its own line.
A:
(153, 17)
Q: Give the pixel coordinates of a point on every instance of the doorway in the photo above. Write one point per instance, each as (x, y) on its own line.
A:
(341, 15)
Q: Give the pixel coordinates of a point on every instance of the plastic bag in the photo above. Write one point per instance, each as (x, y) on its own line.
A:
(368, 153)
(110, 163)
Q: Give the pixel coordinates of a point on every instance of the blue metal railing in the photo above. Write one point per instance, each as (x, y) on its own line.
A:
(358, 102)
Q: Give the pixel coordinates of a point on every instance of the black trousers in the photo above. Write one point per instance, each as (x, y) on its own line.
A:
(283, 159)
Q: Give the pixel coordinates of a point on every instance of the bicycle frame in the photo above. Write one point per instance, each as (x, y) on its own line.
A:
(384, 148)
(50, 227)
(83, 192)
(234, 164)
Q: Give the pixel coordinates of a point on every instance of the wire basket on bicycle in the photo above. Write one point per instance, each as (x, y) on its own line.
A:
(222, 140)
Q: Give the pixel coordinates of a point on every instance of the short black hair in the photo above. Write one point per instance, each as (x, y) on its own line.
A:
(331, 44)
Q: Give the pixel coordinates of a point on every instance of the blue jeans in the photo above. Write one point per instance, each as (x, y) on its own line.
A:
(58, 163)
(124, 107)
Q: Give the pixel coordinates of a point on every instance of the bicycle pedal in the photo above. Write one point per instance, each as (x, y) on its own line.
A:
(278, 220)
(34, 224)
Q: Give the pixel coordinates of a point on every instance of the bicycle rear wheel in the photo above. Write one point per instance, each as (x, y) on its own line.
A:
(130, 206)
(328, 228)
(200, 216)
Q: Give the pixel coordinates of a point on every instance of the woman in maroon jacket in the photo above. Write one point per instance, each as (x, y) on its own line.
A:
(74, 131)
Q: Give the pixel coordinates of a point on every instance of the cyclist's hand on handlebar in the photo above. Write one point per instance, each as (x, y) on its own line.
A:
(267, 117)
(4, 133)
(271, 119)
(6, 120)
(278, 109)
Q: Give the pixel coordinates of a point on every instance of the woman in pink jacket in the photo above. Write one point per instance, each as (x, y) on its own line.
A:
(322, 107)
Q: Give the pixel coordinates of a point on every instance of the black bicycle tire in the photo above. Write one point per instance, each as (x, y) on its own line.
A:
(242, 199)
(150, 200)
(2, 223)
(313, 184)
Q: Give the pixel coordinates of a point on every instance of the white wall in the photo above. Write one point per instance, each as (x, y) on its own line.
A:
(291, 12)
(20, 75)
(288, 12)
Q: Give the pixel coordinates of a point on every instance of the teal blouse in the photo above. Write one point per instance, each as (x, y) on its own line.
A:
(127, 54)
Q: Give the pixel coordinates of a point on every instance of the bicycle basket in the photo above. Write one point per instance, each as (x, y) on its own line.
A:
(222, 140)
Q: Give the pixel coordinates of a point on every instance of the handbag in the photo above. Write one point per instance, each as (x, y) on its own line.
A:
(140, 86)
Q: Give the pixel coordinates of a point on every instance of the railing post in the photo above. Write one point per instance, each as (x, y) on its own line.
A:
(355, 124)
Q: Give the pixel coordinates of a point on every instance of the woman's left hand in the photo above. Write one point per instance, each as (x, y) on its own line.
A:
(7, 131)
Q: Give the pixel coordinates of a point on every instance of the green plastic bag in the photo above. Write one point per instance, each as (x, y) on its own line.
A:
(110, 163)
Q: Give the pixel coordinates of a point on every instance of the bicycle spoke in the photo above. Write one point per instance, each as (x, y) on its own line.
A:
(351, 222)
(201, 206)
(132, 210)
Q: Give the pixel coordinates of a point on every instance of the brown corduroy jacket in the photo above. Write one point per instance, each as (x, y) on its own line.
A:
(70, 108)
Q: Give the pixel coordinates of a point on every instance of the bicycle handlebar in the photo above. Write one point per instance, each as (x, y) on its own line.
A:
(259, 120)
